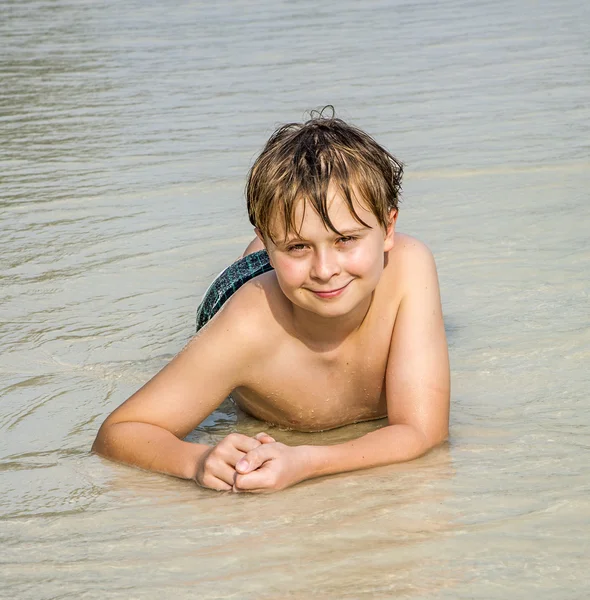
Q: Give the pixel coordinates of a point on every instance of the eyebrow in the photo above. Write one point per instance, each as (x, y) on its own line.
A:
(344, 233)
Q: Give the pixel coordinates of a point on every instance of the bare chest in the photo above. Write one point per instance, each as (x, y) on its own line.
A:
(310, 391)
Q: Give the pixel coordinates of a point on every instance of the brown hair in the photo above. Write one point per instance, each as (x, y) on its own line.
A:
(300, 160)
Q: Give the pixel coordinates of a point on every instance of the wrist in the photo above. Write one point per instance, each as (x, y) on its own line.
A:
(313, 460)
(194, 459)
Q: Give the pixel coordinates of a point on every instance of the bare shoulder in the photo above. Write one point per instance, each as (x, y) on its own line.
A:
(409, 251)
(411, 264)
(248, 316)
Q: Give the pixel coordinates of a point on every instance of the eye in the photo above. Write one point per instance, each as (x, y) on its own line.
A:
(346, 240)
(296, 247)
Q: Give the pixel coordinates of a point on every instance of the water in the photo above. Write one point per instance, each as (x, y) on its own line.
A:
(126, 132)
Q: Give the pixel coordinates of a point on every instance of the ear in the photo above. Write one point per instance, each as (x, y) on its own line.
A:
(260, 236)
(390, 231)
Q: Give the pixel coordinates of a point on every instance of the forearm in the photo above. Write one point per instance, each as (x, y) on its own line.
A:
(391, 444)
(148, 447)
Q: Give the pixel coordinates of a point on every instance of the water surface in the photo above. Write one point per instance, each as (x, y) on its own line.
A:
(126, 132)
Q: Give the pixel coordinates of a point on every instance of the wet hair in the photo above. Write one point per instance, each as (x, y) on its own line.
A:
(300, 161)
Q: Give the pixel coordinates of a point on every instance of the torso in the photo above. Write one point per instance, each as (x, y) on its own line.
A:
(300, 388)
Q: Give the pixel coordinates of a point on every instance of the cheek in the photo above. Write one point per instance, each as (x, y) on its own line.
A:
(365, 260)
(290, 272)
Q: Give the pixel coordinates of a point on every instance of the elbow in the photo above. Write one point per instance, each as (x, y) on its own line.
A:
(102, 441)
(98, 446)
(429, 436)
(435, 438)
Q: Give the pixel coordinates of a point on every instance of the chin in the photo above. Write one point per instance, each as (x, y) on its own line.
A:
(333, 309)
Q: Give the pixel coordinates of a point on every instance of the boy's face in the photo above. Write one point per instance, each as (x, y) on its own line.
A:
(326, 273)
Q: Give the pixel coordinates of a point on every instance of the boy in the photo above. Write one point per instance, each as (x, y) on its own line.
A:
(337, 320)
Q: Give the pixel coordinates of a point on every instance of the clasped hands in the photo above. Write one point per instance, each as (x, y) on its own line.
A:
(256, 464)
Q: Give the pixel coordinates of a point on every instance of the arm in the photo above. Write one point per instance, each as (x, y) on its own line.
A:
(417, 388)
(417, 380)
(147, 430)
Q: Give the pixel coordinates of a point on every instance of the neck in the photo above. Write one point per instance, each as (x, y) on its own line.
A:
(323, 334)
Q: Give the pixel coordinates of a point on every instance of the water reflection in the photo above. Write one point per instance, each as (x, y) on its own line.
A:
(381, 526)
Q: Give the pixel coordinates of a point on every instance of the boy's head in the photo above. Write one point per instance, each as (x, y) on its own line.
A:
(301, 160)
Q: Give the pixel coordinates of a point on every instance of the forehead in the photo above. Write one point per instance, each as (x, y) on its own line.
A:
(306, 221)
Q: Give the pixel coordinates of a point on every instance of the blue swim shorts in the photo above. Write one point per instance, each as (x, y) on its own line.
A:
(228, 282)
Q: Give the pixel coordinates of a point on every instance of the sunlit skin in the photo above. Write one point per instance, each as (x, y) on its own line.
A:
(347, 328)
(329, 277)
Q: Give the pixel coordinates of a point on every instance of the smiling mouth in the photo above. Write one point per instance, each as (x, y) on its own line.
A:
(330, 293)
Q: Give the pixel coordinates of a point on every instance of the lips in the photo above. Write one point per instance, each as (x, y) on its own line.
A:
(330, 293)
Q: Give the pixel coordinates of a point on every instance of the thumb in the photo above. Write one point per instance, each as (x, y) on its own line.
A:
(254, 459)
(264, 438)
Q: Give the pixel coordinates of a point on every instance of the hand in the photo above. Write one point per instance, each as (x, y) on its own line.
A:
(271, 467)
(216, 467)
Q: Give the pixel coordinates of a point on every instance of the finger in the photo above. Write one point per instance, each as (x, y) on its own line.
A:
(255, 458)
(223, 472)
(260, 480)
(231, 456)
(214, 483)
(264, 438)
(241, 442)
(215, 469)
(237, 490)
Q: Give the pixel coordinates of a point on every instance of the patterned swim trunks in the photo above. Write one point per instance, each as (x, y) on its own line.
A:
(228, 282)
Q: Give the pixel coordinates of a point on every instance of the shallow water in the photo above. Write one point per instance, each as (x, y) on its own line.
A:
(126, 132)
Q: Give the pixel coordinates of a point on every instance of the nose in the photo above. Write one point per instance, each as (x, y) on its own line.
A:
(325, 265)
